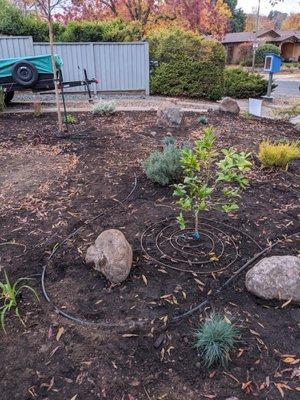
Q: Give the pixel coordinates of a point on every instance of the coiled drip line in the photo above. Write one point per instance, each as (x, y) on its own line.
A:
(215, 251)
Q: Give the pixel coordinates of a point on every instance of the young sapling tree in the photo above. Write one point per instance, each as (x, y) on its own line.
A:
(210, 183)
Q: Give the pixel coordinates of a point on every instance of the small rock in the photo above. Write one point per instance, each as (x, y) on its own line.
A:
(153, 133)
(229, 105)
(111, 255)
(296, 122)
(169, 116)
(198, 364)
(276, 277)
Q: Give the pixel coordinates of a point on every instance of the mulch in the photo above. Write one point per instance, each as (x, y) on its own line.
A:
(129, 348)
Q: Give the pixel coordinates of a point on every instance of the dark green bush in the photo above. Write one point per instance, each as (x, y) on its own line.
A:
(164, 167)
(263, 50)
(242, 84)
(188, 64)
(101, 31)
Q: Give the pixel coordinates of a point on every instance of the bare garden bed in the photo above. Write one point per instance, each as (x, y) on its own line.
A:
(129, 346)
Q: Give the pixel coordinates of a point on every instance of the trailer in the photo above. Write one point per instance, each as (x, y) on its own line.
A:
(35, 73)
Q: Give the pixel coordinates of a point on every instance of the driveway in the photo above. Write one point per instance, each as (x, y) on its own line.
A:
(287, 88)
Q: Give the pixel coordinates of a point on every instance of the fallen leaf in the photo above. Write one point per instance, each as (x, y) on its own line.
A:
(286, 303)
(60, 332)
(145, 280)
(291, 360)
(129, 335)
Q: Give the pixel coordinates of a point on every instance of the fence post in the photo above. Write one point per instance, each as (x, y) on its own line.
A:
(93, 66)
(147, 68)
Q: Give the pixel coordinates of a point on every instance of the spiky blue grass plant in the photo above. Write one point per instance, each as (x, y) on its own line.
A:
(215, 339)
(202, 120)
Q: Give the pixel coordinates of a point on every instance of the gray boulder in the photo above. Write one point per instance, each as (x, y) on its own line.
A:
(296, 122)
(276, 277)
(229, 105)
(111, 255)
(170, 116)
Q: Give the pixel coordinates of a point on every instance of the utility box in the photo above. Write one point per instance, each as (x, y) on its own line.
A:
(272, 63)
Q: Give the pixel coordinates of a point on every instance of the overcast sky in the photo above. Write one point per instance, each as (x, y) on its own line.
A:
(287, 6)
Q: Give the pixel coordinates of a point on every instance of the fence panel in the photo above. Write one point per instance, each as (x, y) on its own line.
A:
(16, 46)
(117, 66)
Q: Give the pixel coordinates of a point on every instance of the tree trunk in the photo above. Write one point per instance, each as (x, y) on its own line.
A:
(51, 42)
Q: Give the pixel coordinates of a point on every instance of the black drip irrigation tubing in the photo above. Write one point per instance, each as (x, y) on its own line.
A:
(201, 305)
(175, 318)
(81, 227)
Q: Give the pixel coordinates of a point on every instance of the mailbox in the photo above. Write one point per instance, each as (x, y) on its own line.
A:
(272, 63)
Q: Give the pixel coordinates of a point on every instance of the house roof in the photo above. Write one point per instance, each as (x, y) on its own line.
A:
(278, 36)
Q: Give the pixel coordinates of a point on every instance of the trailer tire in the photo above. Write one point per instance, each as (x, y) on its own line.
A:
(8, 96)
(24, 73)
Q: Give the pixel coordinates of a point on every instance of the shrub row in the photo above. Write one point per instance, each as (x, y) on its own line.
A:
(242, 84)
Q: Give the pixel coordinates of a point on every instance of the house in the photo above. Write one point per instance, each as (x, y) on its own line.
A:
(287, 41)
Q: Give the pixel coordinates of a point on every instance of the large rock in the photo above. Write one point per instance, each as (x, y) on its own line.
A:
(170, 116)
(111, 255)
(296, 122)
(276, 277)
(229, 105)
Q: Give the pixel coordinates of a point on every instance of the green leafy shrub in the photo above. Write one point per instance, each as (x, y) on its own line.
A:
(278, 154)
(114, 30)
(164, 167)
(208, 183)
(263, 50)
(9, 297)
(242, 84)
(188, 64)
(104, 108)
(70, 119)
(215, 339)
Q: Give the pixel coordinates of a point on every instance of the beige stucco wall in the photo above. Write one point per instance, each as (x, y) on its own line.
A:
(290, 50)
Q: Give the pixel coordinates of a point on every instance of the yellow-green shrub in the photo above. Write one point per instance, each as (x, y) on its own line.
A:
(278, 154)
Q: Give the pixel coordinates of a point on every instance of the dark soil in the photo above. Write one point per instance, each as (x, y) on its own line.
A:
(128, 349)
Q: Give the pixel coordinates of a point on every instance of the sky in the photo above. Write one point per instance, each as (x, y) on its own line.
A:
(287, 6)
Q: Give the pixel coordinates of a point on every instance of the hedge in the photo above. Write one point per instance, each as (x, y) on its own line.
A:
(188, 64)
(101, 31)
(242, 84)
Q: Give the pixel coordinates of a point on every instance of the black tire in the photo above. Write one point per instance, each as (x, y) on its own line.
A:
(8, 96)
(24, 73)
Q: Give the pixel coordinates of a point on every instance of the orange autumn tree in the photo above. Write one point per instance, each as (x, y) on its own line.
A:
(292, 22)
(95, 10)
(264, 23)
(204, 16)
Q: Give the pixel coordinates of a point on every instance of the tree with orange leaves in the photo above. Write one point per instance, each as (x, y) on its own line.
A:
(292, 22)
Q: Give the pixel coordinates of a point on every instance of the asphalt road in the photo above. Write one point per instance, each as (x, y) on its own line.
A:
(287, 88)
